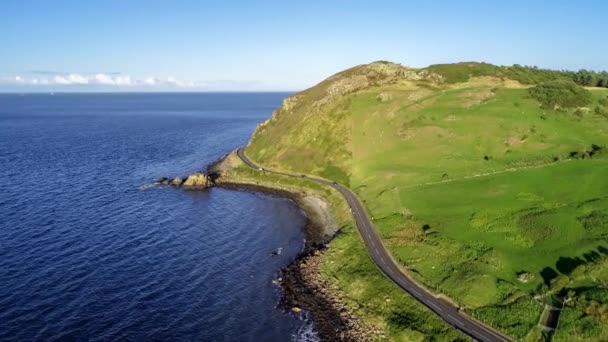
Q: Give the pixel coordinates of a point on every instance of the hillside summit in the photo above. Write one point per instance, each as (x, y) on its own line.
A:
(300, 134)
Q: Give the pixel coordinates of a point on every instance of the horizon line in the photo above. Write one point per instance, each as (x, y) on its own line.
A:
(145, 92)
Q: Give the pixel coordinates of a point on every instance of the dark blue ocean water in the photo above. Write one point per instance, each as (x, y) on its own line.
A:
(88, 251)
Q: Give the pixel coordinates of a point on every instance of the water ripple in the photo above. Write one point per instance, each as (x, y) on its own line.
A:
(86, 255)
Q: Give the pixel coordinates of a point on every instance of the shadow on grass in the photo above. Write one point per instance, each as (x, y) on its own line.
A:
(565, 265)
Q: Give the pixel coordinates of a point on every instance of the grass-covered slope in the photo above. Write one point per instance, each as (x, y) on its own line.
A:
(489, 183)
(312, 131)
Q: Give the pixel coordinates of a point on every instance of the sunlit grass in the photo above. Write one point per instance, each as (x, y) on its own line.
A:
(482, 193)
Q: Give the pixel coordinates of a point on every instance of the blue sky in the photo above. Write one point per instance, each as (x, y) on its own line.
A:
(132, 45)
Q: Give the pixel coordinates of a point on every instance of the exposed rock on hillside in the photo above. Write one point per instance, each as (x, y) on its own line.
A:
(360, 77)
(350, 81)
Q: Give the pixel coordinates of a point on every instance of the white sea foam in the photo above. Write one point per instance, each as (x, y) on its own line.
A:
(306, 333)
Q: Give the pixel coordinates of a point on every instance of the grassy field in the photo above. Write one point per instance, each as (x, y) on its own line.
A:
(485, 196)
(483, 193)
(505, 224)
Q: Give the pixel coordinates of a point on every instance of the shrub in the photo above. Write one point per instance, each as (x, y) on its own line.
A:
(564, 94)
(533, 75)
(601, 111)
(603, 101)
(461, 72)
(336, 174)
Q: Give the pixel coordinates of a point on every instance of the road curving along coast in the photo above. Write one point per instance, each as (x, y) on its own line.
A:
(382, 258)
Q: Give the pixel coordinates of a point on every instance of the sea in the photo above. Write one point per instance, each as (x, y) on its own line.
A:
(91, 250)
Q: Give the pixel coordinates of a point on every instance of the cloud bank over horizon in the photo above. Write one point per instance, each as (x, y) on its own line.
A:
(45, 80)
(117, 80)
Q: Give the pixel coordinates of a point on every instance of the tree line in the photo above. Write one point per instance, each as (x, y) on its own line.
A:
(462, 72)
(583, 77)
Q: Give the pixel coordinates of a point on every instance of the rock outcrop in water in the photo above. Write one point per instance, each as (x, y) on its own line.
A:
(201, 180)
(198, 180)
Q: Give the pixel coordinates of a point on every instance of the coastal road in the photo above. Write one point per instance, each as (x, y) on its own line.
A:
(380, 255)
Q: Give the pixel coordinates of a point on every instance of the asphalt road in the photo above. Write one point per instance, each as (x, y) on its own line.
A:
(380, 255)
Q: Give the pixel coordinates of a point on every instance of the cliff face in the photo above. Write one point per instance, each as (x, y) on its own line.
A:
(311, 131)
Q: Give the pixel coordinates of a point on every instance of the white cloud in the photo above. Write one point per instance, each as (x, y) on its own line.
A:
(77, 79)
(70, 79)
(114, 80)
(122, 80)
(173, 81)
(60, 80)
(151, 81)
(103, 79)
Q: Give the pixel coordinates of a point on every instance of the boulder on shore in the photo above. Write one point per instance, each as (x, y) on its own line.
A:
(176, 181)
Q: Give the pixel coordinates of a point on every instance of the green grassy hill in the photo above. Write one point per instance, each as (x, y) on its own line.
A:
(489, 183)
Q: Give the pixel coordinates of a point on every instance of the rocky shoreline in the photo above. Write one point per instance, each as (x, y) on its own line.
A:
(304, 288)
(301, 282)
